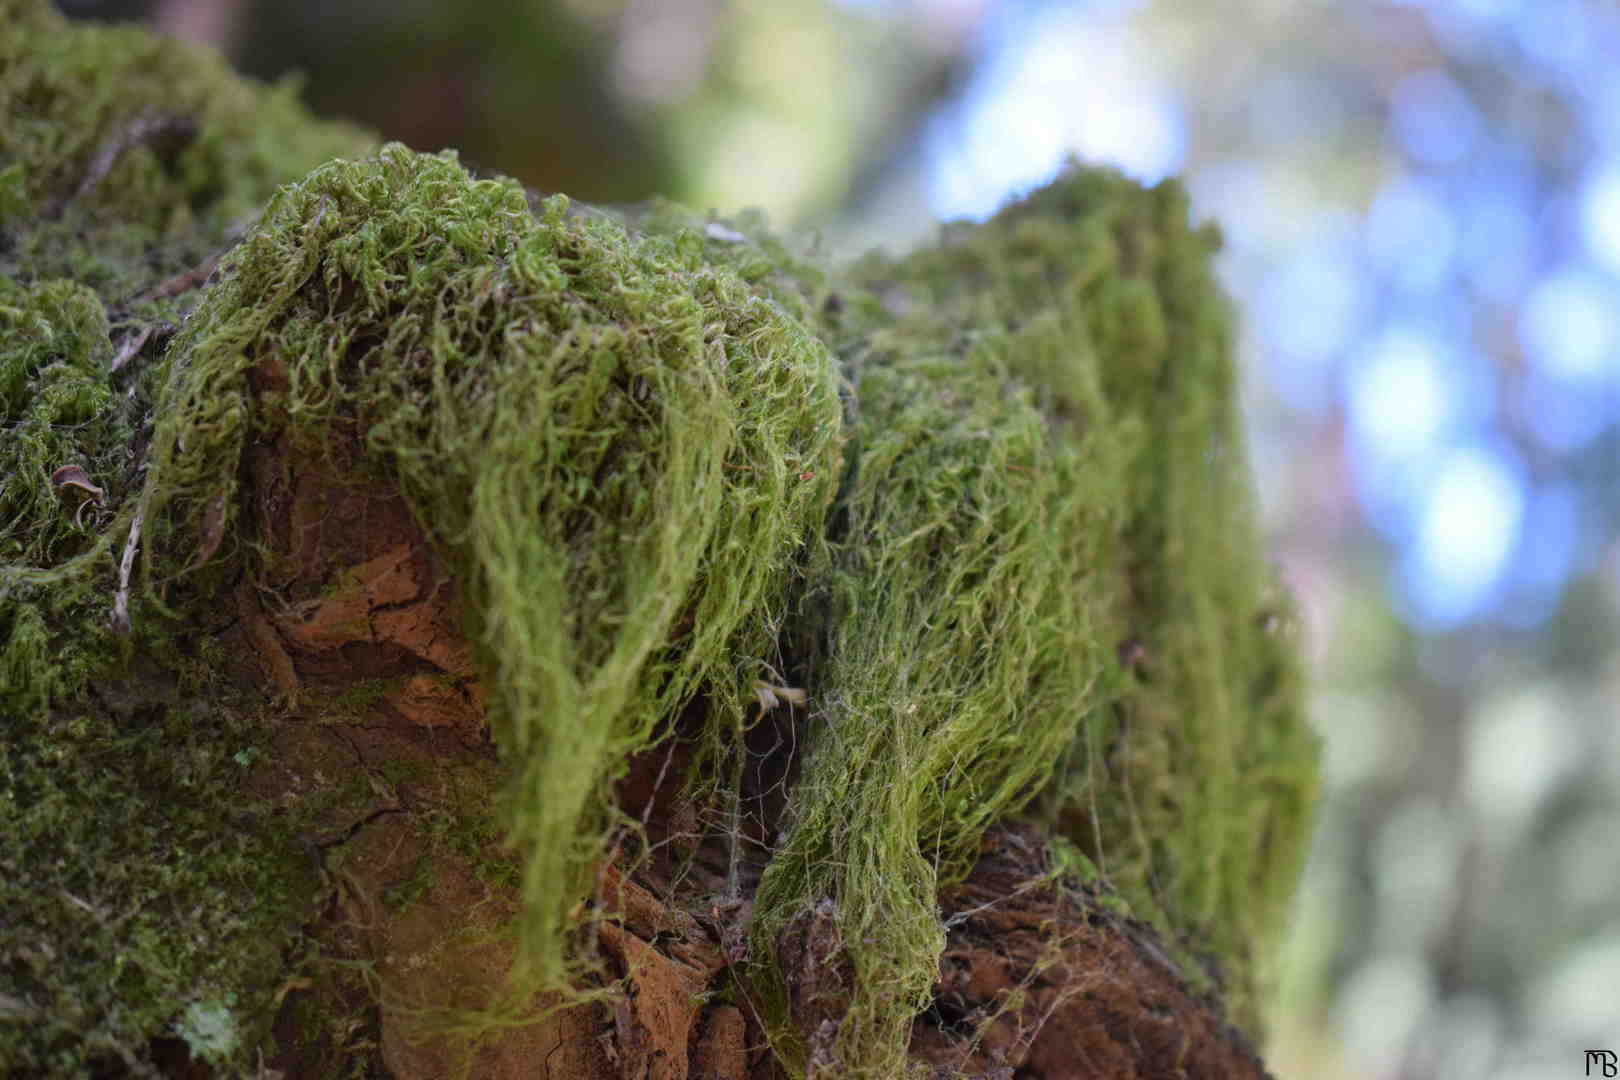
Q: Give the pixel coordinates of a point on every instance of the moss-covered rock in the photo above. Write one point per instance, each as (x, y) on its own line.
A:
(777, 586)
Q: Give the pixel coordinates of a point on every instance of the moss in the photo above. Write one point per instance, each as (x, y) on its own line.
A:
(1051, 585)
(354, 700)
(987, 503)
(96, 215)
(134, 894)
(1047, 594)
(956, 671)
(151, 143)
(119, 780)
(412, 889)
(601, 435)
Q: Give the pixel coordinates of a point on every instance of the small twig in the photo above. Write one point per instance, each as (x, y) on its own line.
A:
(963, 916)
(12, 1008)
(82, 905)
(731, 934)
(771, 695)
(180, 283)
(121, 602)
(132, 345)
(144, 127)
(734, 830)
(646, 811)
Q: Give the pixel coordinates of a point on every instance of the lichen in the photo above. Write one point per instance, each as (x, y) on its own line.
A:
(210, 1030)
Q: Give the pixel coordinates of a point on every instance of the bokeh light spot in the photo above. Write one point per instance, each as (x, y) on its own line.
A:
(1433, 119)
(1568, 325)
(1468, 526)
(1031, 106)
(1517, 749)
(1308, 308)
(1411, 235)
(1600, 214)
(1398, 396)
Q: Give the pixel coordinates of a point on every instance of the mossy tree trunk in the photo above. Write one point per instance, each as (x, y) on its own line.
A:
(444, 630)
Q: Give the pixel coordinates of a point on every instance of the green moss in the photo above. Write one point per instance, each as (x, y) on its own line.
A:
(402, 896)
(143, 898)
(988, 503)
(1048, 403)
(602, 435)
(1047, 594)
(133, 894)
(95, 214)
(151, 142)
(956, 669)
(351, 703)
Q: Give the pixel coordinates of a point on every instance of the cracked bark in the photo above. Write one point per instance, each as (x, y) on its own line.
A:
(1036, 982)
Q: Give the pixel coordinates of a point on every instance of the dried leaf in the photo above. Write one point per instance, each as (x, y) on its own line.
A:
(771, 697)
(72, 476)
(213, 529)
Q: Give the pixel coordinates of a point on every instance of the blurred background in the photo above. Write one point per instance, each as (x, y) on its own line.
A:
(1422, 210)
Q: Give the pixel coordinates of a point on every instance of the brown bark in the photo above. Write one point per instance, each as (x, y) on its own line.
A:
(1037, 981)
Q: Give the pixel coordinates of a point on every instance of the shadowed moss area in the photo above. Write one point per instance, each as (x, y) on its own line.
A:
(988, 504)
(143, 899)
(152, 143)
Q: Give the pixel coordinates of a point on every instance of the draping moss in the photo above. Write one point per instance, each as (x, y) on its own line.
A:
(988, 501)
(958, 668)
(1050, 585)
(619, 448)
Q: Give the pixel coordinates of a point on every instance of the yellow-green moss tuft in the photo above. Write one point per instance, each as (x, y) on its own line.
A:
(602, 434)
(1051, 584)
